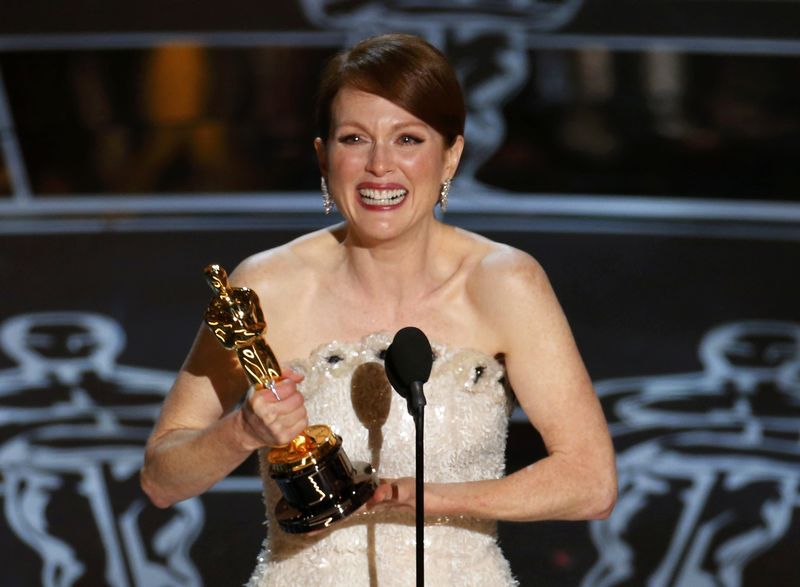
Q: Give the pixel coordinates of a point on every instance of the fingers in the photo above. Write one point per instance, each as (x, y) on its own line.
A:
(272, 422)
(392, 493)
(282, 389)
(288, 373)
(385, 492)
(382, 494)
(389, 494)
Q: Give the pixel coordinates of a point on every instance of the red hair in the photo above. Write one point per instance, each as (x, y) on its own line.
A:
(404, 69)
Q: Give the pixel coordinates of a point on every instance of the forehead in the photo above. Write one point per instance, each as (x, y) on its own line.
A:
(353, 106)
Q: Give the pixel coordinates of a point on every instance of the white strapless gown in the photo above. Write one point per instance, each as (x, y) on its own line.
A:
(466, 421)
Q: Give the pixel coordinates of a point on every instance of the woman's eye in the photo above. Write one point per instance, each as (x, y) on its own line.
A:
(350, 139)
(410, 140)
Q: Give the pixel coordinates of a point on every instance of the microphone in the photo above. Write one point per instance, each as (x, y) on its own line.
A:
(408, 365)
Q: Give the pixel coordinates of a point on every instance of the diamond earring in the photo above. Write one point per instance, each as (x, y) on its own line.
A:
(327, 200)
(443, 194)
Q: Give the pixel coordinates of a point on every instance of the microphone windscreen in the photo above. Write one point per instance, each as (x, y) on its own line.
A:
(409, 359)
(394, 380)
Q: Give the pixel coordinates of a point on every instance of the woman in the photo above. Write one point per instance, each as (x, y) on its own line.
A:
(391, 118)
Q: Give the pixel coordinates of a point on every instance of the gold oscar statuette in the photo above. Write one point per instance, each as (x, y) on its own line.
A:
(319, 484)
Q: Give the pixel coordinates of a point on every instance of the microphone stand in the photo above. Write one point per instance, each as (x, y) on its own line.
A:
(416, 406)
(408, 365)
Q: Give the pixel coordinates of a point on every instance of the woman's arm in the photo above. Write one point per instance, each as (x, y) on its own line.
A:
(201, 434)
(577, 479)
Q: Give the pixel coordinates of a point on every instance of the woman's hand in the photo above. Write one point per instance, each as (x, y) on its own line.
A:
(393, 494)
(267, 421)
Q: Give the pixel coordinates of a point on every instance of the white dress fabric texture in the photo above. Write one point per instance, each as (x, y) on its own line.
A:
(466, 422)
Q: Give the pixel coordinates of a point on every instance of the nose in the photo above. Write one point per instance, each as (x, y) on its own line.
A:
(380, 159)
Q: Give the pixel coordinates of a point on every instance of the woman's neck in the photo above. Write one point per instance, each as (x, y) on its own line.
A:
(401, 270)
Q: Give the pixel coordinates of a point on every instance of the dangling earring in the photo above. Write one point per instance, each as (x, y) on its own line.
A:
(443, 194)
(327, 201)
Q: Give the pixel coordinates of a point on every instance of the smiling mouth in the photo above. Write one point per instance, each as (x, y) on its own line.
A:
(373, 197)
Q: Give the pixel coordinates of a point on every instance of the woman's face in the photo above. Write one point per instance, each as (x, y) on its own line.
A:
(384, 166)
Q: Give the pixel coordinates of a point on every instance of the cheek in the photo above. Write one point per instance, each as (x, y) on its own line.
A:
(346, 163)
(423, 166)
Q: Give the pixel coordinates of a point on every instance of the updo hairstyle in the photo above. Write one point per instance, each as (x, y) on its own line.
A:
(404, 69)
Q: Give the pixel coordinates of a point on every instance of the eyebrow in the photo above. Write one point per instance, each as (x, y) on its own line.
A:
(395, 127)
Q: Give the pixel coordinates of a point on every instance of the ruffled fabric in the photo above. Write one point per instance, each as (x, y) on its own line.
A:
(466, 422)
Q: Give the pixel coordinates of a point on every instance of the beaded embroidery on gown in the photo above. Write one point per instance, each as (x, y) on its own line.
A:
(466, 421)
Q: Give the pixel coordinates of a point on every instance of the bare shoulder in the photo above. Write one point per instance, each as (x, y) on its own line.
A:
(509, 292)
(502, 273)
(283, 270)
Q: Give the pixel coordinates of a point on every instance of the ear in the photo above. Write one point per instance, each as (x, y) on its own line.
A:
(452, 156)
(322, 155)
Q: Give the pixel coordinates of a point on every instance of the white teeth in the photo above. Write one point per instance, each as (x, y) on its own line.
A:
(382, 195)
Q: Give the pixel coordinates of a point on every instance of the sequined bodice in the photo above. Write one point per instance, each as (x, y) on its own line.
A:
(465, 432)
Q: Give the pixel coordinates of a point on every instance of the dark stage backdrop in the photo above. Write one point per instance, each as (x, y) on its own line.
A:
(643, 154)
